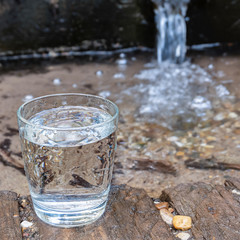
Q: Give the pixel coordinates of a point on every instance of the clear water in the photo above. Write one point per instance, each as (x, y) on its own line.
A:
(171, 26)
(174, 94)
(69, 172)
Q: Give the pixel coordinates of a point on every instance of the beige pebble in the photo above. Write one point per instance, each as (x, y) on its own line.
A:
(182, 222)
(211, 138)
(162, 205)
(232, 115)
(180, 154)
(167, 217)
(183, 236)
(171, 210)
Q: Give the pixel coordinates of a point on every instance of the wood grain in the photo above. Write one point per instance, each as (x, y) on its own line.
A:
(9, 216)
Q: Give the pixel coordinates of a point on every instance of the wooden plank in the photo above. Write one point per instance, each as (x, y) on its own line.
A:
(130, 214)
(214, 210)
(9, 216)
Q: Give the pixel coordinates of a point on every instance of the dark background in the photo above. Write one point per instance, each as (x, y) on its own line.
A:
(108, 24)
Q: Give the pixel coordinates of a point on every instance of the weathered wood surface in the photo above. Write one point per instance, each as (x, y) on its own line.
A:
(9, 216)
(131, 214)
(215, 211)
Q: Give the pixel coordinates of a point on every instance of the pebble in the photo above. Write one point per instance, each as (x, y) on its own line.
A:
(26, 224)
(24, 203)
(219, 117)
(162, 205)
(171, 210)
(167, 217)
(74, 85)
(232, 115)
(180, 154)
(211, 138)
(182, 222)
(173, 139)
(183, 236)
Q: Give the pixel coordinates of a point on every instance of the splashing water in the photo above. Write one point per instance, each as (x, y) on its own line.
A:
(172, 94)
(170, 22)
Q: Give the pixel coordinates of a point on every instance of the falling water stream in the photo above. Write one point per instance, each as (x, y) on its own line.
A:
(171, 25)
(173, 90)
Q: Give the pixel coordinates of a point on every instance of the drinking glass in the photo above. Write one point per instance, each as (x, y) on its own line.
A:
(68, 143)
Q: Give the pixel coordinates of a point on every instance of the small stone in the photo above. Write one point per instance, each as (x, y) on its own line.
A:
(162, 205)
(24, 203)
(180, 154)
(167, 217)
(26, 224)
(171, 210)
(232, 115)
(211, 138)
(74, 85)
(183, 236)
(219, 117)
(182, 222)
(173, 139)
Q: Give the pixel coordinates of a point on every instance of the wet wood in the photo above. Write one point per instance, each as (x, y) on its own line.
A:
(130, 214)
(9, 216)
(215, 211)
(210, 163)
(142, 164)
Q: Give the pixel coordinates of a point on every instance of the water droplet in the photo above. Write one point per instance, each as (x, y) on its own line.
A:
(119, 75)
(222, 91)
(210, 66)
(99, 73)
(122, 61)
(56, 81)
(27, 98)
(122, 55)
(105, 94)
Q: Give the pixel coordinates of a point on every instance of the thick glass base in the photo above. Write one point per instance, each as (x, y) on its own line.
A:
(69, 219)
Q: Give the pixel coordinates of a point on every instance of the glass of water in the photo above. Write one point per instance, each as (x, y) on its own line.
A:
(68, 144)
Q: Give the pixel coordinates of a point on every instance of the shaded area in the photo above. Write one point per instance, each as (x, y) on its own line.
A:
(99, 25)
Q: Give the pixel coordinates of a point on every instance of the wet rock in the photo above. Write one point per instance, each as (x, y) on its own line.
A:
(182, 222)
(183, 236)
(26, 224)
(167, 217)
(162, 205)
(219, 117)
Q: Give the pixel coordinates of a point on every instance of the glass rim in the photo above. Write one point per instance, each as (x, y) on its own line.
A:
(20, 117)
